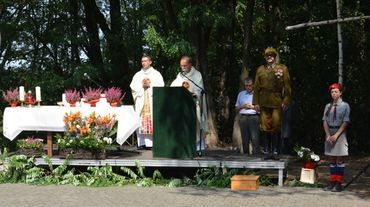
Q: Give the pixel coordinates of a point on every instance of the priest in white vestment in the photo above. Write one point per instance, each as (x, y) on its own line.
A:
(191, 79)
(142, 91)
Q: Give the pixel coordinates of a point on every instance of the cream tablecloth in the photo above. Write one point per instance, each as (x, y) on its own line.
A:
(50, 118)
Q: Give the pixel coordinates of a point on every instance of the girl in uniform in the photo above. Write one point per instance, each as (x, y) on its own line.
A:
(335, 122)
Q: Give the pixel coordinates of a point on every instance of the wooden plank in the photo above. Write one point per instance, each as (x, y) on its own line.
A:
(173, 163)
(50, 144)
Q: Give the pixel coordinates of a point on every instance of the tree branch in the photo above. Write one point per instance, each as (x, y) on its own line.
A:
(333, 21)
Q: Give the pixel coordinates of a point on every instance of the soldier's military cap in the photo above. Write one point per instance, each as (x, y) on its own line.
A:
(270, 51)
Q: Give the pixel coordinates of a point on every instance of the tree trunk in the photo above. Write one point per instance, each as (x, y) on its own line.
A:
(365, 8)
(273, 30)
(75, 54)
(229, 72)
(117, 49)
(119, 66)
(93, 45)
(199, 34)
(173, 23)
(248, 24)
(340, 44)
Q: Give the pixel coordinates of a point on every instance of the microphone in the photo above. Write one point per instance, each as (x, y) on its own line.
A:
(92, 80)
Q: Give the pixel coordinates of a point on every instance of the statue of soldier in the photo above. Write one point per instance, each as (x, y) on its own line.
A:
(272, 94)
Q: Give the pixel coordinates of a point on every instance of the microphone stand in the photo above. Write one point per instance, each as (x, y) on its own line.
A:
(92, 80)
(203, 92)
(186, 77)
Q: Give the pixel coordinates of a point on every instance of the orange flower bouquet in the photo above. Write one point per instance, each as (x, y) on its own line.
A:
(90, 132)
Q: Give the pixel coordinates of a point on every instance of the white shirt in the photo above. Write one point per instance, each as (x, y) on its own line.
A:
(243, 98)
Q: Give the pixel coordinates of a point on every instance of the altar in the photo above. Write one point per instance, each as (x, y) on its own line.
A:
(50, 119)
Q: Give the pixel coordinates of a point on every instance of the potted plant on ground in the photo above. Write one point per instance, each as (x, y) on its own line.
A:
(92, 95)
(72, 96)
(31, 146)
(86, 136)
(114, 96)
(309, 158)
(11, 96)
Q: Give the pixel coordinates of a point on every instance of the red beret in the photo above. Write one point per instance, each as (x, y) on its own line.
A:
(335, 86)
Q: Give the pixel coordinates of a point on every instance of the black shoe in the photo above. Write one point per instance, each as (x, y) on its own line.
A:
(337, 187)
(330, 186)
(275, 157)
(148, 148)
(142, 147)
(267, 156)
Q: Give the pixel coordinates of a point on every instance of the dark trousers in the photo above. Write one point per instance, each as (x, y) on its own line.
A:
(271, 143)
(249, 128)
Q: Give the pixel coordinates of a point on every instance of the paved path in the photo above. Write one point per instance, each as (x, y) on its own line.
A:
(68, 196)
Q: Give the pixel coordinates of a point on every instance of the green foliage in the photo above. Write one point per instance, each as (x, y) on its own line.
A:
(19, 168)
(15, 169)
(30, 143)
(34, 175)
(104, 176)
(139, 177)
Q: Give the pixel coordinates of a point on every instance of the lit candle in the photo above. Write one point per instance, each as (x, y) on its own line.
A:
(38, 93)
(21, 93)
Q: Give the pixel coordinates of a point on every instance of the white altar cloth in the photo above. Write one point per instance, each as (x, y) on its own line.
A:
(50, 118)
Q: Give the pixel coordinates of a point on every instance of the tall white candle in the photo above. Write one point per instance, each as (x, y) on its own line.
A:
(38, 93)
(21, 93)
(64, 100)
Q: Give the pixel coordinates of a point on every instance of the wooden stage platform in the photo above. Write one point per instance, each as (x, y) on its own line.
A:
(222, 158)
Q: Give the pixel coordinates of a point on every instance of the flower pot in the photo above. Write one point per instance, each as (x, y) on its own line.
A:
(13, 104)
(83, 154)
(30, 152)
(72, 104)
(309, 165)
(92, 102)
(114, 104)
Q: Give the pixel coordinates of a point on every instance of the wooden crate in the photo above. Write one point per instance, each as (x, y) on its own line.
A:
(244, 182)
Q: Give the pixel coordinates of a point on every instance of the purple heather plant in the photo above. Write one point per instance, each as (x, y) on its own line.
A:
(92, 93)
(11, 95)
(72, 95)
(114, 94)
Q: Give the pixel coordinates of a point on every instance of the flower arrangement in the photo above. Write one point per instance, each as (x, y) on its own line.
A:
(31, 142)
(306, 155)
(92, 93)
(86, 132)
(114, 94)
(72, 96)
(11, 96)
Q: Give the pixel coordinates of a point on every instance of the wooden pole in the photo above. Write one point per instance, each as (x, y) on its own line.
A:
(340, 44)
(50, 144)
(333, 21)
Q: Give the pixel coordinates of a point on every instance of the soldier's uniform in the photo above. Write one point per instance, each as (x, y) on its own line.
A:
(271, 90)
